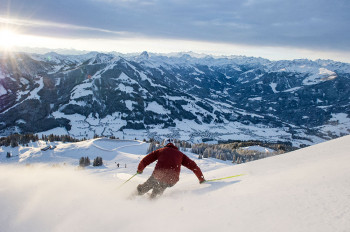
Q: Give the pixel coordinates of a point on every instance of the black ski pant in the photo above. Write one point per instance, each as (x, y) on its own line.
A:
(152, 183)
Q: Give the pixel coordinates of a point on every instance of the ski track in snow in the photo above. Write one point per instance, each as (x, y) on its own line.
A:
(306, 190)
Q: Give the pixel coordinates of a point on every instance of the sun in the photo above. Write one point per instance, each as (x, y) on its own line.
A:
(8, 39)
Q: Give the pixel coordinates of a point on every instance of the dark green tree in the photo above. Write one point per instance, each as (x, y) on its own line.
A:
(14, 143)
(97, 161)
(84, 161)
(87, 161)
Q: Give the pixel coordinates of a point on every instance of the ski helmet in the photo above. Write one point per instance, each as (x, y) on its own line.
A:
(168, 140)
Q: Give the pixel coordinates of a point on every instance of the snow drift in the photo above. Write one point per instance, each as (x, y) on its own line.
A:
(305, 190)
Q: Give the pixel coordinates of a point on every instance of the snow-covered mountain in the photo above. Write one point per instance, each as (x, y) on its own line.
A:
(186, 96)
(301, 191)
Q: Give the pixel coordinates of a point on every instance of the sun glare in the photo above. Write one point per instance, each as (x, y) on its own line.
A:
(8, 39)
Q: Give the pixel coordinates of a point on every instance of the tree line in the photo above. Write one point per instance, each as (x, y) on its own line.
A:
(232, 150)
(15, 139)
(154, 145)
(23, 139)
(236, 153)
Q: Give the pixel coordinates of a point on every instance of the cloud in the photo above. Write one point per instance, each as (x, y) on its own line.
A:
(312, 24)
(52, 26)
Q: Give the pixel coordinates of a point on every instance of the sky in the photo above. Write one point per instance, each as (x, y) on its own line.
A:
(274, 29)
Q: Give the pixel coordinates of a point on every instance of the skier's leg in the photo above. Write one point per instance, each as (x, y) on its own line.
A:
(148, 185)
(158, 189)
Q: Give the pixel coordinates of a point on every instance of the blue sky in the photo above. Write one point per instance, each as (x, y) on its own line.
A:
(277, 29)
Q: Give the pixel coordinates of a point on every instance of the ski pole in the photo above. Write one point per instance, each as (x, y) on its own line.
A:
(127, 180)
(225, 177)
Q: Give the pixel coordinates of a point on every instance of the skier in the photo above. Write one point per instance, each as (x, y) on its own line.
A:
(167, 171)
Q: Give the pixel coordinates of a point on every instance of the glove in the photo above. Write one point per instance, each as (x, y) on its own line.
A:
(139, 172)
(202, 181)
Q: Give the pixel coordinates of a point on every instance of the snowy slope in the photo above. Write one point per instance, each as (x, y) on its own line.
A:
(305, 190)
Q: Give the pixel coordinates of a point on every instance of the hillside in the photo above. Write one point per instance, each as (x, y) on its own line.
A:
(304, 190)
(184, 96)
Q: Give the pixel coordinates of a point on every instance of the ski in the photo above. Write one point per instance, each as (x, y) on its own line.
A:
(127, 181)
(228, 177)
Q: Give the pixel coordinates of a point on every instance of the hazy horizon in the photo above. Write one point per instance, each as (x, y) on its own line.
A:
(272, 29)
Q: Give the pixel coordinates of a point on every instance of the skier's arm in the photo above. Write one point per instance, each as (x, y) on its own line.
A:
(150, 158)
(190, 164)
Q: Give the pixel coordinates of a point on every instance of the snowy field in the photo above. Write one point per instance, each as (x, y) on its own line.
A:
(306, 190)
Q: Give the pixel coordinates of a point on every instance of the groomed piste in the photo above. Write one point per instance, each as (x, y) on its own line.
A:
(306, 190)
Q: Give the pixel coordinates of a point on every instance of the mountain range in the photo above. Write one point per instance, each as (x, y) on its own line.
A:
(182, 95)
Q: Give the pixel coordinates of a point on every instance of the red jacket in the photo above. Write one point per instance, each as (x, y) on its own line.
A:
(169, 163)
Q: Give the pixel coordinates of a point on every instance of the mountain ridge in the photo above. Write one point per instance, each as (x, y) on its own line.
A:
(182, 96)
